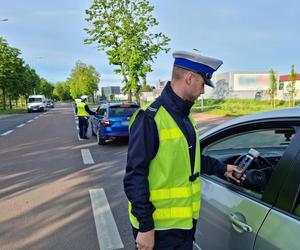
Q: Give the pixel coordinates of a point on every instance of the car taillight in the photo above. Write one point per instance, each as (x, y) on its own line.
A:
(105, 122)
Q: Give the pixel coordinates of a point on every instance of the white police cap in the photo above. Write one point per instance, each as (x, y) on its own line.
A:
(83, 97)
(203, 65)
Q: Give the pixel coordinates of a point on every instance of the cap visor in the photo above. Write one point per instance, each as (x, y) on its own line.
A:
(209, 83)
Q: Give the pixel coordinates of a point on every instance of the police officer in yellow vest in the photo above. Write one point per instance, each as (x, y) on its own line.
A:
(164, 161)
(83, 111)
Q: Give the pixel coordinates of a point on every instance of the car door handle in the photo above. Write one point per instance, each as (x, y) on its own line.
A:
(239, 224)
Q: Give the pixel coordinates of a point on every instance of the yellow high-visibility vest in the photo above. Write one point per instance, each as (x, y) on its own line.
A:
(81, 109)
(175, 197)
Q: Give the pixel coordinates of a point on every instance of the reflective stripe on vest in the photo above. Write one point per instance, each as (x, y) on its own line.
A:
(81, 109)
(176, 199)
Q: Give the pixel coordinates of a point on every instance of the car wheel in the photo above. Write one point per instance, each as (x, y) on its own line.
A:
(100, 140)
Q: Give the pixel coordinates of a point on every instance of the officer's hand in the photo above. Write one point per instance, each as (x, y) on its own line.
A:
(230, 170)
(145, 241)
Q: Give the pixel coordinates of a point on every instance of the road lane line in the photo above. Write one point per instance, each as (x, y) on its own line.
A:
(196, 245)
(77, 127)
(7, 132)
(86, 156)
(21, 125)
(107, 231)
(35, 117)
(29, 121)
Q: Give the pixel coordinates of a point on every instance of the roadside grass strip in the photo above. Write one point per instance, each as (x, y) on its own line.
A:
(107, 231)
(87, 157)
(7, 132)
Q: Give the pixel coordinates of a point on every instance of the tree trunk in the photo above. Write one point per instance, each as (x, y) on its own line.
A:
(10, 102)
(93, 97)
(138, 99)
(129, 96)
(3, 98)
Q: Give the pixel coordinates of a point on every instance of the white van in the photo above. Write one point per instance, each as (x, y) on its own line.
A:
(36, 103)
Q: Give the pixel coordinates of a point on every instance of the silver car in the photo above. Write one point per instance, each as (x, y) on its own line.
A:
(264, 211)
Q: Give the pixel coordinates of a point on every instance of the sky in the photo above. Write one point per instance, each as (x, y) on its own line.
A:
(247, 35)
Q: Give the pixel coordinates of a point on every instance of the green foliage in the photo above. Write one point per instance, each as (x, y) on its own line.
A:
(122, 29)
(45, 88)
(273, 87)
(291, 87)
(83, 80)
(62, 91)
(235, 107)
(146, 88)
(16, 78)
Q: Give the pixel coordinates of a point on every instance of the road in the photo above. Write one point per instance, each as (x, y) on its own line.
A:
(54, 187)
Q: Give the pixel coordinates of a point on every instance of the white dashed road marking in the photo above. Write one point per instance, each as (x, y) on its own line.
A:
(21, 125)
(107, 231)
(77, 127)
(7, 132)
(86, 156)
(196, 245)
(29, 121)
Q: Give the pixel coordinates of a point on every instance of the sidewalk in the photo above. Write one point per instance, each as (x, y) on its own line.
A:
(207, 121)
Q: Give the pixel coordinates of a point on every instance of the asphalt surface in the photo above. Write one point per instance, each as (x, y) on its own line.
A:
(44, 188)
(10, 122)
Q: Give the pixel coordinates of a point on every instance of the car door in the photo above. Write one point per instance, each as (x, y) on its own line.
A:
(281, 228)
(231, 215)
(100, 112)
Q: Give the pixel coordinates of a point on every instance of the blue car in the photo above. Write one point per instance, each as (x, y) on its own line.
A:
(112, 120)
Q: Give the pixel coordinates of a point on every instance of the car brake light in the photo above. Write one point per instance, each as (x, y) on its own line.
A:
(105, 122)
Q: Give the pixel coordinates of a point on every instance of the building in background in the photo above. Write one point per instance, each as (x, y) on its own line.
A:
(239, 85)
(110, 92)
(284, 81)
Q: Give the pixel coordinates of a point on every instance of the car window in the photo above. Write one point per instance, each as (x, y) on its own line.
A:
(270, 143)
(257, 139)
(30, 100)
(101, 111)
(122, 110)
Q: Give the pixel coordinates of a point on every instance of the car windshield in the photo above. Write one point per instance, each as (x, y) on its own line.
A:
(122, 110)
(31, 100)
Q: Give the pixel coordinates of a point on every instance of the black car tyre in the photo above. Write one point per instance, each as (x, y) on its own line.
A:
(100, 140)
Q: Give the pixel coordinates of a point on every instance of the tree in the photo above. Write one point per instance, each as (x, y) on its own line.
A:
(273, 87)
(8, 60)
(83, 80)
(291, 87)
(121, 28)
(62, 91)
(146, 88)
(45, 88)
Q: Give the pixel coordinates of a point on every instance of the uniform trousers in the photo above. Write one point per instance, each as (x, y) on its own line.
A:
(173, 239)
(83, 126)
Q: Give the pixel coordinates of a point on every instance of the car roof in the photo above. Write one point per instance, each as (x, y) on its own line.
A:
(280, 114)
(107, 104)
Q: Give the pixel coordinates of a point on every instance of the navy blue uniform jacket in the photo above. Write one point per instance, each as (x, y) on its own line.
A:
(143, 146)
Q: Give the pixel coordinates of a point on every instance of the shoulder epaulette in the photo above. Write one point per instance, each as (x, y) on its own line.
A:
(153, 108)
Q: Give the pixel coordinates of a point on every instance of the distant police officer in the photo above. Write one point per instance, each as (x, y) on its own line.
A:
(162, 174)
(83, 111)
